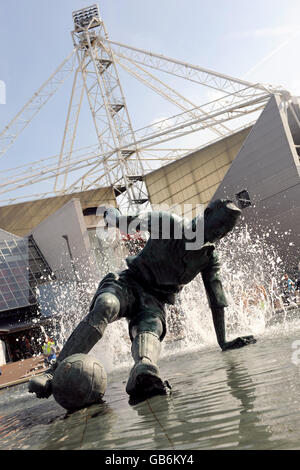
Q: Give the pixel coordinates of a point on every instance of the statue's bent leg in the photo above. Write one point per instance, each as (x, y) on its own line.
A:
(88, 332)
(144, 380)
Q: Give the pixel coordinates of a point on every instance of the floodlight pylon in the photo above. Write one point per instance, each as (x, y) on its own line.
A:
(121, 158)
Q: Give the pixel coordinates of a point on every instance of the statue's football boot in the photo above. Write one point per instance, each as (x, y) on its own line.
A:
(144, 380)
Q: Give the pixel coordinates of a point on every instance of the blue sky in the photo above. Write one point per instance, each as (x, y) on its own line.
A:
(257, 40)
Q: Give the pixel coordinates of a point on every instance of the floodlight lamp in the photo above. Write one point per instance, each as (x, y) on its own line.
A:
(82, 18)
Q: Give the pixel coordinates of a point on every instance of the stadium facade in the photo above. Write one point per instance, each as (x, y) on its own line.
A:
(257, 167)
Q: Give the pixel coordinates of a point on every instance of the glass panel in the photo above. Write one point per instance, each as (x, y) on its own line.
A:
(21, 266)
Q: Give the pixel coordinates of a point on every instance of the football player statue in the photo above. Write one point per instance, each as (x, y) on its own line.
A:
(176, 252)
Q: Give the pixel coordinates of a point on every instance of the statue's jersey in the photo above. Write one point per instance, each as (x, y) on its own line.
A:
(173, 255)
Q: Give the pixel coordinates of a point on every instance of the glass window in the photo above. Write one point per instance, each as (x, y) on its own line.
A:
(22, 266)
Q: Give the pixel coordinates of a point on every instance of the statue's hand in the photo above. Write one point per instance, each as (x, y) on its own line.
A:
(238, 342)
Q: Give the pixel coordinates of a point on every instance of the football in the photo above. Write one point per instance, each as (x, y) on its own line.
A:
(79, 381)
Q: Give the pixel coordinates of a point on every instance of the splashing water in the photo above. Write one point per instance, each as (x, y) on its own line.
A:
(250, 271)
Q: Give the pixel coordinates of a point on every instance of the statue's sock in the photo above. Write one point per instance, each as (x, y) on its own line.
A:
(144, 379)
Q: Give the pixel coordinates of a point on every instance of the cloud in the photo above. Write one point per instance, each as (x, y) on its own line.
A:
(275, 51)
(263, 32)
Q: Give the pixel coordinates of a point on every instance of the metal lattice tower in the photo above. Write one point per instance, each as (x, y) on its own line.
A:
(108, 107)
(122, 156)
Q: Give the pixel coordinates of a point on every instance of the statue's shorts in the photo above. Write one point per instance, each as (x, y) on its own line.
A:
(136, 303)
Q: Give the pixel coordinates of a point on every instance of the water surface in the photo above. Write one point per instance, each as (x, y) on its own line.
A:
(242, 399)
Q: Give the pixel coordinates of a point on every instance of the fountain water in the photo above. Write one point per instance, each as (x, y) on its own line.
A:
(245, 399)
(250, 270)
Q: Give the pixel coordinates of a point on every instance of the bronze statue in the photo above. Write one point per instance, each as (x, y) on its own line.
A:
(154, 277)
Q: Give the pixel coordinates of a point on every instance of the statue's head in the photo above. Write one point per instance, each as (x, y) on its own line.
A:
(220, 217)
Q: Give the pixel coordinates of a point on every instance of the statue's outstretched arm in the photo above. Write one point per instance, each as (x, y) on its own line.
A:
(217, 302)
(213, 284)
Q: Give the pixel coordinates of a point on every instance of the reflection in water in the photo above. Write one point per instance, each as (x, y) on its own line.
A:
(246, 399)
(236, 400)
(243, 399)
(86, 428)
(156, 412)
(241, 386)
(20, 419)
